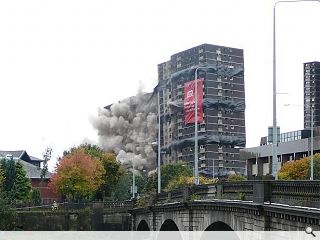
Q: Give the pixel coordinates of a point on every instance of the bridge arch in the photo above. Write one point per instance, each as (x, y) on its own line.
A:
(219, 226)
(222, 231)
(143, 226)
(169, 225)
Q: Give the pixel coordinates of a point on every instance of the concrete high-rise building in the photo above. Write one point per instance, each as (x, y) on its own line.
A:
(311, 93)
(222, 132)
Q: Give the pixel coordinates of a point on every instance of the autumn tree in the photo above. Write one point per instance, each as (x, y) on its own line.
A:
(235, 178)
(300, 169)
(78, 175)
(113, 169)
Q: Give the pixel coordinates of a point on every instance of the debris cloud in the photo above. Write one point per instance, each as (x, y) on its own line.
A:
(128, 128)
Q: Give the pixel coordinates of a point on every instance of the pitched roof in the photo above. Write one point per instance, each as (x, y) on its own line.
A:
(32, 158)
(15, 154)
(20, 154)
(32, 171)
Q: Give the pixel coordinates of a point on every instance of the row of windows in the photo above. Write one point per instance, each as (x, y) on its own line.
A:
(290, 136)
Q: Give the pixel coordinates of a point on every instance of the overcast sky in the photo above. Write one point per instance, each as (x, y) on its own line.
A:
(61, 60)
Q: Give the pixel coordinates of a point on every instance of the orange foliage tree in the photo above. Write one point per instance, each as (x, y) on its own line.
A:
(300, 169)
(113, 169)
(78, 175)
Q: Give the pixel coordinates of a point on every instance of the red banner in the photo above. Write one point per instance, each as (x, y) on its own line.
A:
(189, 103)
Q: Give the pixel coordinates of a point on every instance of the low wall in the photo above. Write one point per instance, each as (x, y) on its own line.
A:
(74, 220)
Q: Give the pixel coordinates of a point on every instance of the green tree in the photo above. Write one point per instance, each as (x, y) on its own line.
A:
(113, 172)
(151, 184)
(90, 149)
(22, 184)
(169, 172)
(7, 214)
(2, 178)
(316, 167)
(122, 188)
(9, 167)
(36, 196)
(141, 182)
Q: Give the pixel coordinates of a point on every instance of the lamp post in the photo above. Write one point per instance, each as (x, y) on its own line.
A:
(275, 136)
(133, 180)
(213, 169)
(311, 154)
(158, 145)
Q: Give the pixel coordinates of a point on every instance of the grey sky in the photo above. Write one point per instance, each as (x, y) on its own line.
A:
(61, 60)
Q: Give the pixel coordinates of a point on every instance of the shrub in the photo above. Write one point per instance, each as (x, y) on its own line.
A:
(236, 178)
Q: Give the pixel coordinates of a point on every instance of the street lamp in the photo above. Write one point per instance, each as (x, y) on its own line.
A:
(274, 138)
(133, 180)
(159, 147)
(156, 148)
(213, 168)
(311, 155)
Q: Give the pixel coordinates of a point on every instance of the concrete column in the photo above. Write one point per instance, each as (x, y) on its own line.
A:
(269, 161)
(186, 194)
(154, 222)
(261, 191)
(260, 168)
(191, 220)
(133, 222)
(219, 190)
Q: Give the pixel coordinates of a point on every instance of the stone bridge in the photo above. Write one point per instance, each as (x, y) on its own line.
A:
(247, 205)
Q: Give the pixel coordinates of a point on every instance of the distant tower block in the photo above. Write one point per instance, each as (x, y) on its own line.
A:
(311, 90)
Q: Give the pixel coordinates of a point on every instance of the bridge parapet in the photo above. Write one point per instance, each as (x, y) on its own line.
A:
(301, 193)
(119, 205)
(297, 193)
(246, 205)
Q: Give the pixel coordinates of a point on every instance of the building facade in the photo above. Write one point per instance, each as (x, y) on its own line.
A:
(33, 171)
(222, 132)
(292, 145)
(311, 83)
